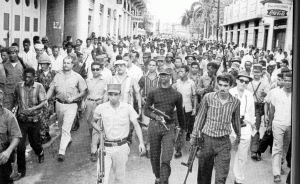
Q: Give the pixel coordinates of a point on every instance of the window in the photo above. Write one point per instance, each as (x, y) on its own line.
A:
(17, 22)
(27, 23)
(17, 1)
(35, 25)
(27, 2)
(246, 24)
(256, 23)
(239, 25)
(36, 5)
(6, 21)
(101, 8)
(109, 12)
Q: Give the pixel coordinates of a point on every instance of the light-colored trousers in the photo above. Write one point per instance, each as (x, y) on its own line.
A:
(116, 158)
(65, 116)
(281, 142)
(88, 117)
(241, 159)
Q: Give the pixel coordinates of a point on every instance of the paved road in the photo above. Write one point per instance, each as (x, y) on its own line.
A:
(78, 168)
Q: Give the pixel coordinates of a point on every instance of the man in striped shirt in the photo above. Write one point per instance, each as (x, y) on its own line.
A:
(217, 111)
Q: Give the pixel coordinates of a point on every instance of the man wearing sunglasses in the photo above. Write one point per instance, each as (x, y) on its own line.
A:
(95, 92)
(259, 88)
(248, 119)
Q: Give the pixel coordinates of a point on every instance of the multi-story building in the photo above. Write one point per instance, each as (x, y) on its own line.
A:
(60, 18)
(265, 25)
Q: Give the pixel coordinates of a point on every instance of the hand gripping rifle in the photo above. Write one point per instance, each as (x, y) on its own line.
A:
(101, 154)
(193, 152)
(161, 114)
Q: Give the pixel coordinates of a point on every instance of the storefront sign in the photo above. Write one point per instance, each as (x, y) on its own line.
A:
(276, 10)
(137, 19)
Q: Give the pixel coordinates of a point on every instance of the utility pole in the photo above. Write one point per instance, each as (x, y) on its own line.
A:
(218, 22)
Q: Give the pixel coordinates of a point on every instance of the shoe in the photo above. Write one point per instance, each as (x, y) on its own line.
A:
(94, 157)
(60, 158)
(254, 156)
(157, 181)
(258, 158)
(277, 179)
(18, 176)
(188, 137)
(76, 127)
(41, 157)
(235, 182)
(178, 154)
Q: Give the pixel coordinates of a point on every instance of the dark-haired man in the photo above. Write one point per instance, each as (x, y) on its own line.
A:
(28, 55)
(30, 97)
(218, 110)
(56, 59)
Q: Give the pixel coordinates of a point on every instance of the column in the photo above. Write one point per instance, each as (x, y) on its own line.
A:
(82, 19)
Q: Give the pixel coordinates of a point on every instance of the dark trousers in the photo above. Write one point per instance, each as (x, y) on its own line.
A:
(189, 119)
(255, 140)
(215, 152)
(33, 130)
(266, 141)
(6, 170)
(161, 150)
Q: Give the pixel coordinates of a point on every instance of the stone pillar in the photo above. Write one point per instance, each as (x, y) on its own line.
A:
(270, 22)
(82, 16)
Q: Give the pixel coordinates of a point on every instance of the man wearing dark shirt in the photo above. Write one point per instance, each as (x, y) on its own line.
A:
(165, 99)
(217, 111)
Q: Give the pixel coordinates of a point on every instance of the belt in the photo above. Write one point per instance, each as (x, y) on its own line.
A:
(64, 102)
(115, 143)
(94, 100)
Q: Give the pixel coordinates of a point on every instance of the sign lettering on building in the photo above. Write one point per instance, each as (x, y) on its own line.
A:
(119, 2)
(56, 25)
(137, 19)
(276, 10)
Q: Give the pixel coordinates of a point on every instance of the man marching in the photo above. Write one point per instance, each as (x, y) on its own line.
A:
(116, 118)
(165, 99)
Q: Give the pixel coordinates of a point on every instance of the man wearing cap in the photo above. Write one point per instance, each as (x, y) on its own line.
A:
(56, 59)
(116, 117)
(259, 88)
(69, 87)
(10, 136)
(160, 62)
(45, 76)
(248, 119)
(165, 99)
(14, 74)
(28, 55)
(30, 97)
(45, 42)
(39, 50)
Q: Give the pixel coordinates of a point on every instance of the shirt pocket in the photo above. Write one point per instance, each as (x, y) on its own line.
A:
(122, 120)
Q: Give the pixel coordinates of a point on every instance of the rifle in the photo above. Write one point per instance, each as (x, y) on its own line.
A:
(14, 165)
(224, 60)
(81, 72)
(193, 152)
(101, 154)
(162, 114)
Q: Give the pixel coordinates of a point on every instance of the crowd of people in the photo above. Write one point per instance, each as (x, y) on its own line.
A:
(205, 89)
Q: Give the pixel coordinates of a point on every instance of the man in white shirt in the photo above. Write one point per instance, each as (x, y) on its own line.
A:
(28, 55)
(247, 115)
(203, 64)
(56, 59)
(280, 123)
(132, 70)
(279, 56)
(106, 74)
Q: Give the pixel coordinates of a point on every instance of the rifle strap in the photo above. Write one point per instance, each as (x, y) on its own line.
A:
(254, 94)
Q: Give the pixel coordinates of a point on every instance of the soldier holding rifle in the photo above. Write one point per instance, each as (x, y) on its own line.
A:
(217, 111)
(161, 134)
(116, 117)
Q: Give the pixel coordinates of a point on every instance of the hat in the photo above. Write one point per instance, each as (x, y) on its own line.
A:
(147, 54)
(236, 59)
(39, 46)
(243, 73)
(45, 38)
(120, 62)
(12, 49)
(113, 88)
(165, 71)
(186, 57)
(170, 54)
(272, 62)
(44, 59)
(160, 58)
(257, 67)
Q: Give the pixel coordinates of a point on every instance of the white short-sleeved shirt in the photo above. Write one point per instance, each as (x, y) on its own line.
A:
(116, 122)
(187, 90)
(283, 108)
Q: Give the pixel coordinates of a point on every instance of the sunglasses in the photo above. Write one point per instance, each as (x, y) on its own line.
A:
(95, 69)
(243, 81)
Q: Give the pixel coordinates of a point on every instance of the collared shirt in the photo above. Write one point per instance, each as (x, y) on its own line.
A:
(283, 107)
(165, 100)
(128, 85)
(278, 57)
(29, 97)
(67, 86)
(56, 64)
(135, 72)
(214, 118)
(63, 53)
(187, 90)
(29, 59)
(263, 87)
(246, 109)
(106, 73)
(116, 122)
(14, 74)
(45, 78)
(96, 88)
(9, 127)
(147, 84)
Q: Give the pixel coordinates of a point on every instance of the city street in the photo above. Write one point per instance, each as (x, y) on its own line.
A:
(78, 168)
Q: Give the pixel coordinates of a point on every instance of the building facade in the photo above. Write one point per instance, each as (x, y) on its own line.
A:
(264, 25)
